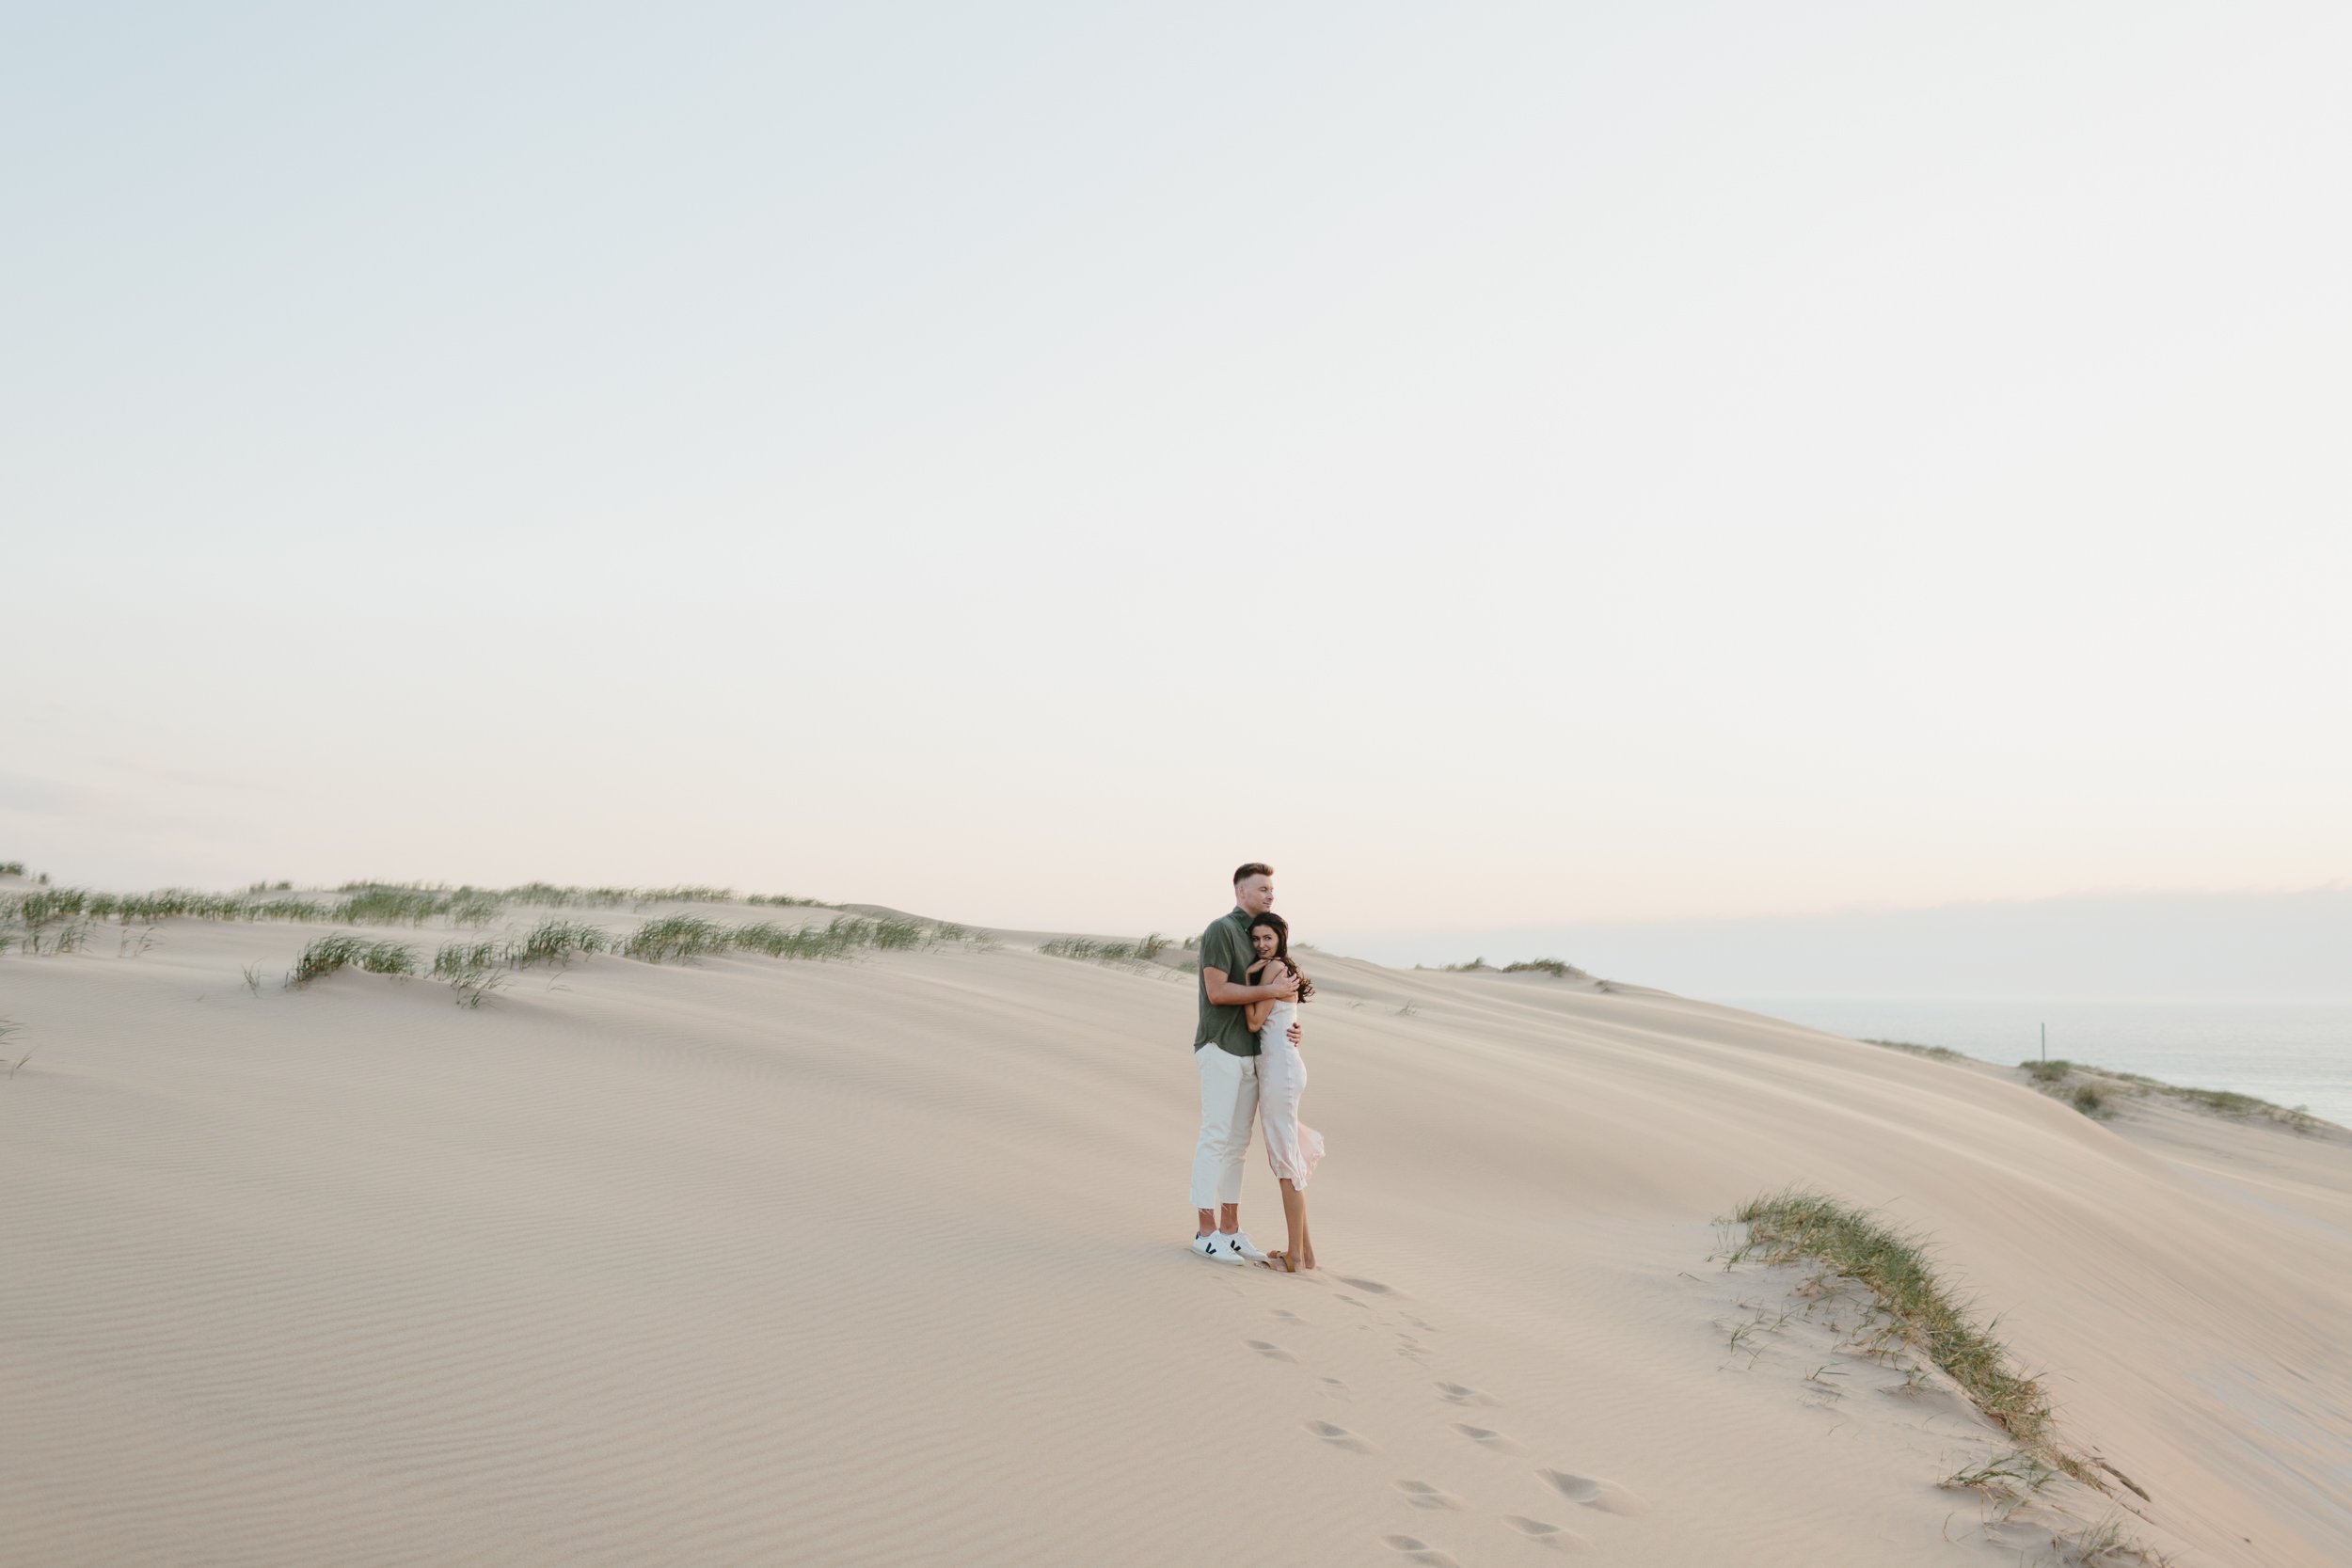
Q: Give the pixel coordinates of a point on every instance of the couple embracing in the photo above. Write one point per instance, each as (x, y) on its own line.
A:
(1246, 1049)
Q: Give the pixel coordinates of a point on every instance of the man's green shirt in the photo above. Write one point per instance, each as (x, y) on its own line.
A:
(1226, 946)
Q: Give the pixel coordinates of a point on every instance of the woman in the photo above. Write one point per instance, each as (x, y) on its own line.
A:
(1293, 1146)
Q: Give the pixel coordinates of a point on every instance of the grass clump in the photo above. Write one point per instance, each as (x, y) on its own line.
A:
(11, 868)
(329, 954)
(837, 939)
(475, 970)
(2229, 1102)
(784, 901)
(1143, 950)
(677, 938)
(687, 936)
(548, 895)
(460, 958)
(2098, 1091)
(1559, 968)
(558, 942)
(786, 941)
(1846, 1242)
(687, 896)
(389, 957)
(1940, 1052)
(471, 970)
(894, 934)
(385, 904)
(47, 920)
(473, 907)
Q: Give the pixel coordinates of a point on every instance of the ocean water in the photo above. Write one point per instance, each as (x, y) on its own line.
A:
(2289, 1053)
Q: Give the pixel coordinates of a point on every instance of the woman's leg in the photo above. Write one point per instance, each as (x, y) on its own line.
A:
(1295, 1221)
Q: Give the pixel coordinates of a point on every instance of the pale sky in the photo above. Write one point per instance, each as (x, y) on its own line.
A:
(1506, 466)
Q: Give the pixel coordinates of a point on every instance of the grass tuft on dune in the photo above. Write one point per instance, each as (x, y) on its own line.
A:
(2095, 1091)
(1143, 950)
(1939, 1053)
(1846, 1242)
(331, 954)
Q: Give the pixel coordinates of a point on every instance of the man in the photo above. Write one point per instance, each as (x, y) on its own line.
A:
(1226, 1055)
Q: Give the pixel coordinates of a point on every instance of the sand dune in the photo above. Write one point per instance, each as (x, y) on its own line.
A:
(882, 1261)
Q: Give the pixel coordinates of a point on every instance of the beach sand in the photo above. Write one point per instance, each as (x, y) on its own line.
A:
(883, 1261)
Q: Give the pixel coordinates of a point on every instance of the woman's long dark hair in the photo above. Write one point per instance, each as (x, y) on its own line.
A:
(1282, 929)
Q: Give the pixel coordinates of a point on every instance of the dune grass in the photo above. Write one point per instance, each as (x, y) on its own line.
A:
(551, 941)
(1939, 1053)
(30, 919)
(389, 904)
(11, 868)
(1846, 1242)
(558, 942)
(1143, 950)
(46, 920)
(681, 937)
(678, 937)
(1559, 968)
(329, 954)
(2097, 1091)
(462, 957)
(841, 936)
(35, 911)
(547, 895)
(475, 969)
(57, 920)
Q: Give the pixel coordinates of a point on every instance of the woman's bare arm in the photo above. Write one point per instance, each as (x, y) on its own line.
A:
(1257, 1012)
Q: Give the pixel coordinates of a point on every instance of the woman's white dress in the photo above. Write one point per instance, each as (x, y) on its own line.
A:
(1294, 1147)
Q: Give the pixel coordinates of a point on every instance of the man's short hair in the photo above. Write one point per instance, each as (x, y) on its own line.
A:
(1255, 868)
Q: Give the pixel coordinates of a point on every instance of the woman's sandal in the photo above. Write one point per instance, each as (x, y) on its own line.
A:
(1281, 1260)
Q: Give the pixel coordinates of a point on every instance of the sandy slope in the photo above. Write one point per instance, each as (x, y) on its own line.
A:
(881, 1263)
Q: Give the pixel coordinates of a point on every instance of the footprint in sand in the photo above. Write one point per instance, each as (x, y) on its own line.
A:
(1334, 1388)
(1418, 1550)
(1593, 1492)
(1272, 1353)
(1352, 1302)
(1486, 1437)
(1288, 1316)
(1339, 1437)
(1544, 1534)
(1369, 1287)
(1421, 1495)
(1425, 1328)
(1458, 1393)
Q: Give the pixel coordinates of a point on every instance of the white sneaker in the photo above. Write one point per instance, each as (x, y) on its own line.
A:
(1209, 1247)
(1245, 1250)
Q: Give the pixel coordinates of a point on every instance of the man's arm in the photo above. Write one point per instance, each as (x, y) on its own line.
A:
(1224, 993)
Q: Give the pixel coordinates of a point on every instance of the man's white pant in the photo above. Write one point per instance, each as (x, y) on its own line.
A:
(1228, 1109)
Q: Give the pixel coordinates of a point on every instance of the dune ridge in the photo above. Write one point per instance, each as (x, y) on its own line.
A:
(879, 1259)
